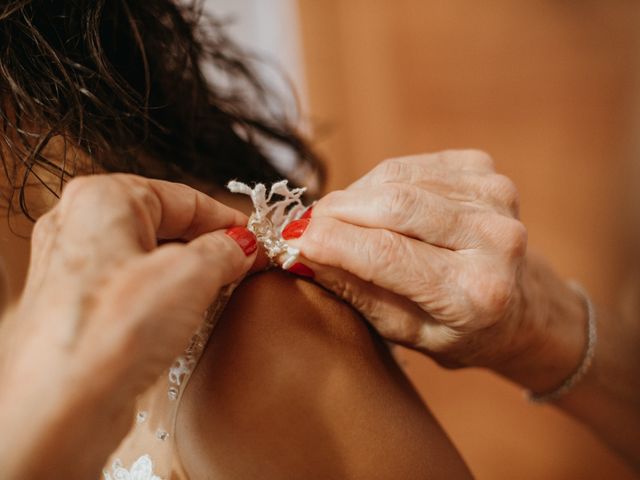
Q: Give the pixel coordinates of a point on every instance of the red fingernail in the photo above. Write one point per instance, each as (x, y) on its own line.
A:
(244, 238)
(302, 270)
(295, 229)
(307, 213)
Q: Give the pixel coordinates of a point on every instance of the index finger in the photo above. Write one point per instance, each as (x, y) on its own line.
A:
(413, 168)
(142, 210)
(185, 213)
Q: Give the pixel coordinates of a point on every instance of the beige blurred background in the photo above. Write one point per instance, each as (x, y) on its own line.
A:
(551, 89)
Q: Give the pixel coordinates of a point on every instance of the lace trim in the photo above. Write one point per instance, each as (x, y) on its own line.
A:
(142, 469)
(270, 216)
(183, 366)
(272, 213)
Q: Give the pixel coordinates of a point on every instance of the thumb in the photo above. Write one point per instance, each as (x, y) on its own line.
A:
(396, 318)
(172, 286)
(213, 244)
(160, 299)
(218, 259)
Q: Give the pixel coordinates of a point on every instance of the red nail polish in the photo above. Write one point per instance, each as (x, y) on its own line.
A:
(244, 238)
(302, 270)
(307, 213)
(295, 229)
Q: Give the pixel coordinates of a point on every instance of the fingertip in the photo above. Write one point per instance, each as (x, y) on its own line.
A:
(245, 239)
(295, 229)
(302, 270)
(307, 214)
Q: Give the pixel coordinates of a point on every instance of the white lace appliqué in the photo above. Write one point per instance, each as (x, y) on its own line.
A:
(270, 216)
(142, 469)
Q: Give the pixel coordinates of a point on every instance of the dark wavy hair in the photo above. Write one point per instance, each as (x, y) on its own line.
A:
(125, 82)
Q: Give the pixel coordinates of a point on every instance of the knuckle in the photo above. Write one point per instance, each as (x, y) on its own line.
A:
(79, 186)
(397, 201)
(98, 188)
(390, 169)
(137, 194)
(89, 183)
(381, 253)
(504, 191)
(447, 158)
(109, 188)
(499, 293)
(44, 227)
(330, 200)
(142, 196)
(496, 293)
(478, 158)
(515, 239)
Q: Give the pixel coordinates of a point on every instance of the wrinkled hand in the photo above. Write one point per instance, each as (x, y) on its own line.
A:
(105, 309)
(430, 250)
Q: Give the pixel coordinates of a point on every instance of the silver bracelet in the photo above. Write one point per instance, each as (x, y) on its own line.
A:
(587, 357)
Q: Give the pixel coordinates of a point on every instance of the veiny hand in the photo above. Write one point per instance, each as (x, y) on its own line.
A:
(430, 250)
(105, 309)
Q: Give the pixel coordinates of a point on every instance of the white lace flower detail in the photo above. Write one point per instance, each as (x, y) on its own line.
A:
(270, 216)
(142, 469)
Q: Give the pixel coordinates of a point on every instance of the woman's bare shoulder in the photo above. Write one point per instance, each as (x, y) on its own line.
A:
(278, 300)
(293, 384)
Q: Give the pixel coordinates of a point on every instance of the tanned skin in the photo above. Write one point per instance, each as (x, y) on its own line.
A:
(293, 384)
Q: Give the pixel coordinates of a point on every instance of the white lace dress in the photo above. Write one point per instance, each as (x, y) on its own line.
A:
(149, 450)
